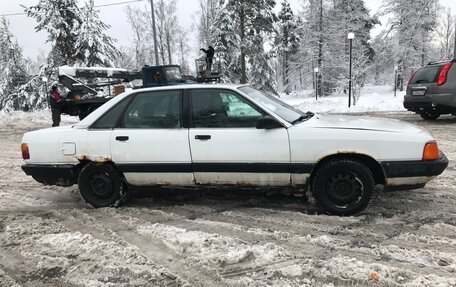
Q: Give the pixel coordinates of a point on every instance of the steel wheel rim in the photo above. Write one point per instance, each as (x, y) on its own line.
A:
(101, 185)
(344, 189)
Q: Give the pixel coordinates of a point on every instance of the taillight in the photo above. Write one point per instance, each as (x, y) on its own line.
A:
(444, 74)
(25, 151)
(431, 151)
(411, 77)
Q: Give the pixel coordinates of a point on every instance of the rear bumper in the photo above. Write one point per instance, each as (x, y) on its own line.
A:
(62, 175)
(413, 169)
(444, 104)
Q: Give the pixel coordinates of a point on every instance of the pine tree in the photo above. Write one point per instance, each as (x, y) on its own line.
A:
(93, 46)
(17, 91)
(77, 35)
(227, 45)
(60, 19)
(240, 32)
(287, 42)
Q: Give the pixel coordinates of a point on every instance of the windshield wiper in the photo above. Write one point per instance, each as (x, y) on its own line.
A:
(308, 115)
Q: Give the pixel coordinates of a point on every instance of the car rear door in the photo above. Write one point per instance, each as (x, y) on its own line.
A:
(150, 146)
(227, 148)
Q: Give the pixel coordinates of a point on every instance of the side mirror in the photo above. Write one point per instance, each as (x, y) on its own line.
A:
(266, 123)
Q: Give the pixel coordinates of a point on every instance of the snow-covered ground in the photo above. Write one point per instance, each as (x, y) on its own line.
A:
(49, 237)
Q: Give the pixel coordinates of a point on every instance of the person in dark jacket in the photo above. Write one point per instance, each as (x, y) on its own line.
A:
(56, 102)
(209, 56)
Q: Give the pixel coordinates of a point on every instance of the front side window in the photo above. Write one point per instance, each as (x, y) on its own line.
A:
(154, 110)
(223, 109)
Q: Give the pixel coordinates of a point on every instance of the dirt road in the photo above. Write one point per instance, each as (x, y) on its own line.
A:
(49, 237)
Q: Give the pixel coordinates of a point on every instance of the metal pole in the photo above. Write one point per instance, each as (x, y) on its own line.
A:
(395, 81)
(350, 75)
(316, 70)
(454, 51)
(155, 33)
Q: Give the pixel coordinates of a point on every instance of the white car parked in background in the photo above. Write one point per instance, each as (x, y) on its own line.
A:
(219, 135)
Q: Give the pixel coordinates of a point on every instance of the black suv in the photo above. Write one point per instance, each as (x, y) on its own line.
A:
(431, 90)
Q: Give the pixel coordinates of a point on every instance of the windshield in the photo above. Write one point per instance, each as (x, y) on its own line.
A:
(283, 110)
(172, 74)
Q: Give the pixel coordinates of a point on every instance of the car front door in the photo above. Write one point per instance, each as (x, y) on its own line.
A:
(150, 145)
(227, 148)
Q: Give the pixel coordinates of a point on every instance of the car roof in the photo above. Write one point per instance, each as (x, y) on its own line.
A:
(192, 86)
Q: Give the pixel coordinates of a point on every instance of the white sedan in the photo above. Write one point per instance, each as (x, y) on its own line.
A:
(222, 135)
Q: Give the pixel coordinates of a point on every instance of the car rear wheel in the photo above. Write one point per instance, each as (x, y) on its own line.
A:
(430, 115)
(100, 185)
(343, 186)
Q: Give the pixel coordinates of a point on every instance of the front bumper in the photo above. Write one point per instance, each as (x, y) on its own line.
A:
(62, 175)
(419, 168)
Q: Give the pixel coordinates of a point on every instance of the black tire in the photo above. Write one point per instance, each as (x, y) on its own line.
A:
(430, 115)
(342, 186)
(100, 185)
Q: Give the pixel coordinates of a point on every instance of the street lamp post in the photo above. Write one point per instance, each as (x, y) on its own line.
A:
(350, 37)
(316, 70)
(395, 80)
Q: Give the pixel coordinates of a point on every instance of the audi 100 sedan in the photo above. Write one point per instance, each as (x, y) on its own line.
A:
(230, 135)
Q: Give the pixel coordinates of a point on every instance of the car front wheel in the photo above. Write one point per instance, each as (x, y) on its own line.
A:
(100, 184)
(343, 186)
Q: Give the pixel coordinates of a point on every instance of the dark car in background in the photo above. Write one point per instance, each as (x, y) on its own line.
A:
(431, 90)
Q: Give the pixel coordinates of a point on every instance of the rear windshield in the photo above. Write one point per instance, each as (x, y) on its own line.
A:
(426, 75)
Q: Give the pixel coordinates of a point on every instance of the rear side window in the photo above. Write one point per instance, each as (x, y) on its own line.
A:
(109, 119)
(154, 110)
(426, 75)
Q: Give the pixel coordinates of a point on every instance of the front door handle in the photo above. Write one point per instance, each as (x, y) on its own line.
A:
(122, 138)
(203, 137)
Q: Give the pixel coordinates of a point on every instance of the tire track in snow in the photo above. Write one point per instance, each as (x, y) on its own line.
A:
(106, 225)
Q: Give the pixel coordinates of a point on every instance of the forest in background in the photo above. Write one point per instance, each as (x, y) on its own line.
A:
(260, 42)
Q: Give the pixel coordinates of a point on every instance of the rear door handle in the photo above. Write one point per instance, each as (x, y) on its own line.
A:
(122, 138)
(203, 137)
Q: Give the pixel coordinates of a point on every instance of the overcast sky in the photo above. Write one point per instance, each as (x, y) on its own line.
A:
(33, 43)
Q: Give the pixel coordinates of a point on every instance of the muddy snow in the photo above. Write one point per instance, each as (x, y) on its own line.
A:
(49, 237)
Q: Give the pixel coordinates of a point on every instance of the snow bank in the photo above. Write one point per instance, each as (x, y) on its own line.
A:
(373, 98)
(38, 119)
